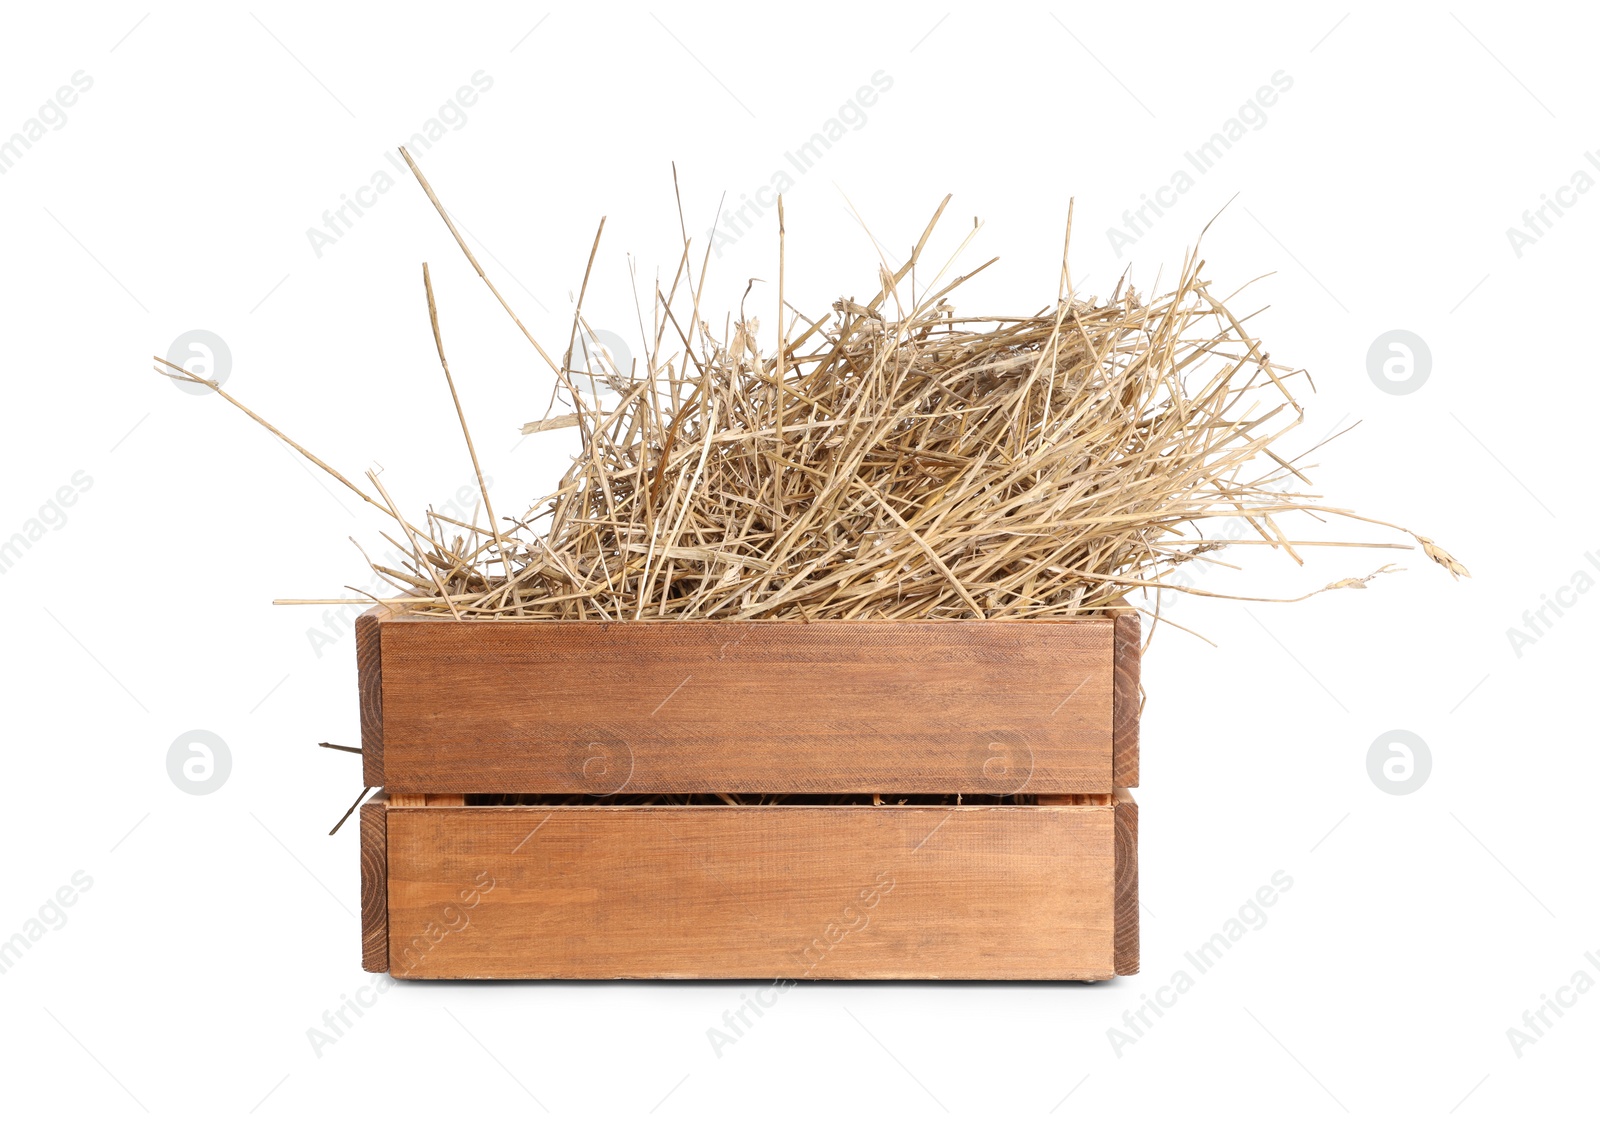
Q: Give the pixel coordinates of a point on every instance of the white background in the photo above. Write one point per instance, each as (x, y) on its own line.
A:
(1377, 195)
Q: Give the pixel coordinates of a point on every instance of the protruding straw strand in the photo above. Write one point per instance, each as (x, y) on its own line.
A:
(466, 433)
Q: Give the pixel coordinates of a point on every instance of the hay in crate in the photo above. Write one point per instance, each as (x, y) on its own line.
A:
(889, 460)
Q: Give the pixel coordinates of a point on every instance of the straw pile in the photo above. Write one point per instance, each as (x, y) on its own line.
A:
(890, 460)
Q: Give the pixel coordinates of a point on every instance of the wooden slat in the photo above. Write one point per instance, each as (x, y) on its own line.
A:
(854, 892)
(1125, 701)
(1127, 892)
(374, 885)
(763, 707)
(369, 680)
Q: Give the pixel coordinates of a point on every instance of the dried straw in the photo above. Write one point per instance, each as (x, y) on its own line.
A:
(889, 461)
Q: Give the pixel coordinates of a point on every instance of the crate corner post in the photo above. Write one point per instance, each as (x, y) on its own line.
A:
(375, 883)
(1125, 900)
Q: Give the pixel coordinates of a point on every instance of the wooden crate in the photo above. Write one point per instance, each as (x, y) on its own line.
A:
(1033, 876)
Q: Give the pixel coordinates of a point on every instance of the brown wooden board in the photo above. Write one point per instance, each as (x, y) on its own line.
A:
(777, 892)
(369, 683)
(1127, 895)
(1126, 700)
(747, 707)
(374, 884)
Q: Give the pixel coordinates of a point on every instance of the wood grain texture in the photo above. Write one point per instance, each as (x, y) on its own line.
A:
(369, 682)
(1126, 700)
(374, 885)
(1127, 892)
(700, 707)
(857, 892)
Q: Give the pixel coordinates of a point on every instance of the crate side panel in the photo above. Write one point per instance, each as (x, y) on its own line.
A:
(752, 892)
(973, 708)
